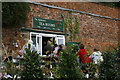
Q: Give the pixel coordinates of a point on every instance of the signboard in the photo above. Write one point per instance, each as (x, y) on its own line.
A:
(47, 24)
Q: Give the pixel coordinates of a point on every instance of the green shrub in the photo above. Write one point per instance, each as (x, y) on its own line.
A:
(32, 66)
(68, 66)
(108, 69)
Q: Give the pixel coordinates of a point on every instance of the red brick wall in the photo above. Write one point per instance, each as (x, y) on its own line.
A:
(11, 35)
(93, 31)
(89, 7)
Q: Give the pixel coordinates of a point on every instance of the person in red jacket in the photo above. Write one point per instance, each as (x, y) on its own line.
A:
(83, 55)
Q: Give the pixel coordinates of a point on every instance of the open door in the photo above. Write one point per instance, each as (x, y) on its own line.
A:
(39, 44)
(60, 40)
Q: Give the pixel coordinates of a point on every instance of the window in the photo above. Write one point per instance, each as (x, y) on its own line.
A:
(39, 39)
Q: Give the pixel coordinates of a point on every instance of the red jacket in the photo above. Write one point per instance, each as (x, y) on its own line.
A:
(83, 56)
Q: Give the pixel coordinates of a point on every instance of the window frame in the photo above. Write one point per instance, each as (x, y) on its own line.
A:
(56, 36)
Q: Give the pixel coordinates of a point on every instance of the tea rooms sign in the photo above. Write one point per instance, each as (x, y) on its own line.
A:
(47, 24)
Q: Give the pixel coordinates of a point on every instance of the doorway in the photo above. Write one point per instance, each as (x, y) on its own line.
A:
(44, 42)
(40, 40)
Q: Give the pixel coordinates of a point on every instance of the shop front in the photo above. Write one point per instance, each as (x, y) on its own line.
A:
(40, 40)
(44, 30)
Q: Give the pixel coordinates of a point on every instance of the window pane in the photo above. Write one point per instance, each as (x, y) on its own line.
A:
(33, 38)
(38, 40)
(60, 41)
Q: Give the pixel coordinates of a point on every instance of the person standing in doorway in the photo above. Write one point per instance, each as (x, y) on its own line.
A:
(44, 44)
(48, 48)
(55, 49)
(59, 49)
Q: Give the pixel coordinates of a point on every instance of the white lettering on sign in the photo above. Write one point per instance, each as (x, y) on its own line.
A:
(40, 23)
(46, 24)
(38, 26)
(40, 20)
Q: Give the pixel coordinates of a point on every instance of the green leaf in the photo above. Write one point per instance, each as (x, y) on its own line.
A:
(47, 63)
(14, 13)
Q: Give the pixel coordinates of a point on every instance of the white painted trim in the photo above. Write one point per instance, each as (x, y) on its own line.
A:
(47, 35)
(57, 38)
(40, 41)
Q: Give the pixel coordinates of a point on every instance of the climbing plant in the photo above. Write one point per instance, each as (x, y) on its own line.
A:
(68, 24)
(76, 28)
(65, 27)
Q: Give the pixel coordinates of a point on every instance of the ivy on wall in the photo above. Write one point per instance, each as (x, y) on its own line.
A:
(76, 28)
(65, 27)
(68, 24)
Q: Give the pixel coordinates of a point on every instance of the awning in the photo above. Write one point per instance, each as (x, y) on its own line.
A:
(30, 30)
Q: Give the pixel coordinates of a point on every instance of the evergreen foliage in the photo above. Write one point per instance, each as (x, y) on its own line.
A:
(14, 13)
(115, 4)
(32, 66)
(68, 66)
(108, 69)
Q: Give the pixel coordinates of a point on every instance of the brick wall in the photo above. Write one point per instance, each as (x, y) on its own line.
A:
(89, 7)
(10, 36)
(93, 31)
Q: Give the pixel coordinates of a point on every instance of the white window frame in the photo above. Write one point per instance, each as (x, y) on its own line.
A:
(47, 35)
(40, 41)
(57, 38)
